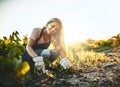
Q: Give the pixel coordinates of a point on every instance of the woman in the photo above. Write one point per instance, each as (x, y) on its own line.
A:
(39, 41)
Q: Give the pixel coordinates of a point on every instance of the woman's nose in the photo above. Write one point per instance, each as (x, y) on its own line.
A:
(53, 29)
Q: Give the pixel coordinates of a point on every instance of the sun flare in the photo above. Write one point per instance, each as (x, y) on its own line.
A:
(73, 36)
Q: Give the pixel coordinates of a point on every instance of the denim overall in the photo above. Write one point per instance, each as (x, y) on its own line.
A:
(41, 50)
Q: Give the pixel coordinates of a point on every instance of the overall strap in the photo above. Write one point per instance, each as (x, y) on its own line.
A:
(40, 34)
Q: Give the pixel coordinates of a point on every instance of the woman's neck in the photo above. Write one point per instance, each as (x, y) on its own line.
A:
(46, 36)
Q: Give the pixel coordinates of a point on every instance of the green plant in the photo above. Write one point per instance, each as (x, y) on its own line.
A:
(12, 69)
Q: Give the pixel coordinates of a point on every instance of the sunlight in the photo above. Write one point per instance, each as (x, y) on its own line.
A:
(74, 36)
(69, 38)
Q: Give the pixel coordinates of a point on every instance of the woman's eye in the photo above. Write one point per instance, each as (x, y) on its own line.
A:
(52, 26)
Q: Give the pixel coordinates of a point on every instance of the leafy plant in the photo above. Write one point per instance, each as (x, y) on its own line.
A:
(12, 69)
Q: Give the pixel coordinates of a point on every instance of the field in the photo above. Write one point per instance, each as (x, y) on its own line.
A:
(95, 64)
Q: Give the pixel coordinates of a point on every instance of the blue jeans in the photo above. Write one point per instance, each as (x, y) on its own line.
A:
(50, 55)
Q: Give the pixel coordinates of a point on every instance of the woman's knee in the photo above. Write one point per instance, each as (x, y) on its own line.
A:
(53, 54)
(45, 53)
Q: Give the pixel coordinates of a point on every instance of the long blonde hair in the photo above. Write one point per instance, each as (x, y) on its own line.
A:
(59, 35)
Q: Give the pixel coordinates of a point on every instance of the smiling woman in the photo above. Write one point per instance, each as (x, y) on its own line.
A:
(37, 51)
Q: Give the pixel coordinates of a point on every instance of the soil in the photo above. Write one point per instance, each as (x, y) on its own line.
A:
(106, 75)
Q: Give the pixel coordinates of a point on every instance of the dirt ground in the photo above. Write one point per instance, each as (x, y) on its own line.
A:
(106, 75)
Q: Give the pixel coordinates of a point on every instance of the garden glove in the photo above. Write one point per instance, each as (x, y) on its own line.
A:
(65, 63)
(39, 63)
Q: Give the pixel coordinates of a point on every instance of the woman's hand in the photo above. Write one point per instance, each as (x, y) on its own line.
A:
(65, 63)
(39, 63)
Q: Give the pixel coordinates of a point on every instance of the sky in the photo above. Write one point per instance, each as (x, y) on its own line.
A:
(82, 19)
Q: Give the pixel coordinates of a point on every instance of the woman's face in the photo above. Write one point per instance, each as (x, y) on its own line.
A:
(52, 28)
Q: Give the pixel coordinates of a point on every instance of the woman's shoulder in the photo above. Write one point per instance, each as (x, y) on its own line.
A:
(37, 29)
(35, 33)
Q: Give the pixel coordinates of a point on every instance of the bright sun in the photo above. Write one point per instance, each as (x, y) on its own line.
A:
(75, 33)
(73, 36)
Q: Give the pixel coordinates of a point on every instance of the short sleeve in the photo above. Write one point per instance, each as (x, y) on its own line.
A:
(34, 34)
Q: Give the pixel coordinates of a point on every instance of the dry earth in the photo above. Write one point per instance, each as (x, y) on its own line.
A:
(106, 75)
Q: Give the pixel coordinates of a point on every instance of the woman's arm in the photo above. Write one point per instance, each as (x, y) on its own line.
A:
(29, 49)
(58, 47)
(31, 42)
(64, 62)
(62, 52)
